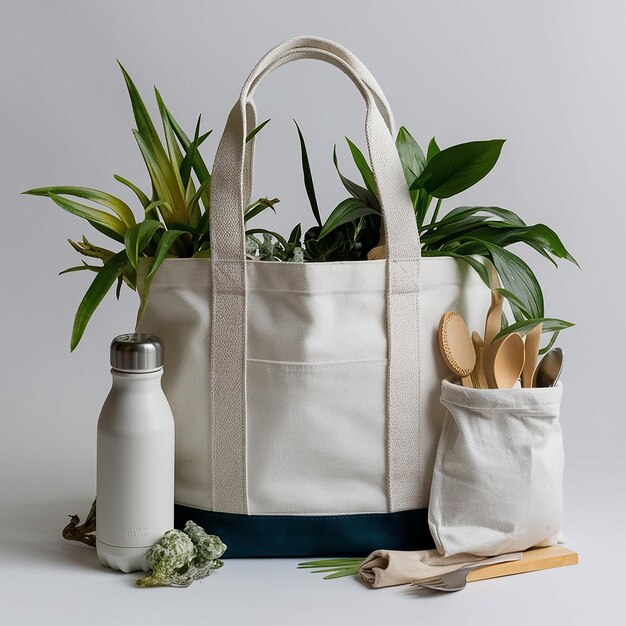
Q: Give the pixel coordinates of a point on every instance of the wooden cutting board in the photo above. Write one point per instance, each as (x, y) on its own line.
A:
(531, 561)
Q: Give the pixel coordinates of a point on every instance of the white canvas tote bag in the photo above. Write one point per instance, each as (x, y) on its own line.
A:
(498, 477)
(306, 394)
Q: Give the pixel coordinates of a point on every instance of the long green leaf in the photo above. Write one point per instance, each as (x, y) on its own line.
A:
(308, 178)
(256, 130)
(103, 281)
(356, 190)
(363, 166)
(138, 237)
(518, 278)
(549, 325)
(145, 201)
(119, 207)
(163, 179)
(164, 173)
(195, 200)
(347, 211)
(173, 151)
(457, 168)
(94, 216)
(462, 212)
(511, 297)
(199, 166)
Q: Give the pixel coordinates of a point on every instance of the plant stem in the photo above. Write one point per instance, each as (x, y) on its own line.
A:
(436, 213)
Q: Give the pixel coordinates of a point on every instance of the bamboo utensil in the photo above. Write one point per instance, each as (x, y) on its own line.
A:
(504, 361)
(531, 345)
(456, 346)
(478, 373)
(493, 323)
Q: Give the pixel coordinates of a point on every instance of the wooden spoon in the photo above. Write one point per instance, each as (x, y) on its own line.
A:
(478, 373)
(504, 361)
(456, 346)
(493, 323)
(531, 343)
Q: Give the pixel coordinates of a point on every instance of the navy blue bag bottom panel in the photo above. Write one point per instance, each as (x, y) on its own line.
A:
(312, 535)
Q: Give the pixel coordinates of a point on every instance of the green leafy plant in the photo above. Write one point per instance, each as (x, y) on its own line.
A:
(175, 218)
(175, 221)
(473, 234)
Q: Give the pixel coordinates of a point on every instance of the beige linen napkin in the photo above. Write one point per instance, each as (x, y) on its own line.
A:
(384, 568)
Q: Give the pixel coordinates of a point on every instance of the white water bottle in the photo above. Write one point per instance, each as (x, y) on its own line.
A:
(135, 462)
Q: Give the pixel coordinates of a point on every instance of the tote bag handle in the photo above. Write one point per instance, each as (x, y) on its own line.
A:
(230, 188)
(232, 169)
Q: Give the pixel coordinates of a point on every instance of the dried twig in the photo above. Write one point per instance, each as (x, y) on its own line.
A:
(75, 531)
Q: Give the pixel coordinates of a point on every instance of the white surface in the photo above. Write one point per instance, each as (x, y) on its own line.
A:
(43, 577)
(548, 76)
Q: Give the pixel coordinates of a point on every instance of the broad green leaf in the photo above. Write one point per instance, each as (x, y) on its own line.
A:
(145, 201)
(101, 284)
(433, 149)
(347, 211)
(94, 216)
(138, 237)
(295, 235)
(549, 325)
(464, 211)
(411, 155)
(457, 168)
(364, 168)
(256, 130)
(357, 191)
(119, 207)
(453, 234)
(308, 179)
(519, 279)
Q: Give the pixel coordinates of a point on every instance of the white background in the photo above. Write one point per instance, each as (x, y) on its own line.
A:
(548, 76)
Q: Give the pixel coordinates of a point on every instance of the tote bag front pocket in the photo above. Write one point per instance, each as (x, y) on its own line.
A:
(497, 482)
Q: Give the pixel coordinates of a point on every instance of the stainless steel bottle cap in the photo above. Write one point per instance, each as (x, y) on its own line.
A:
(137, 352)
